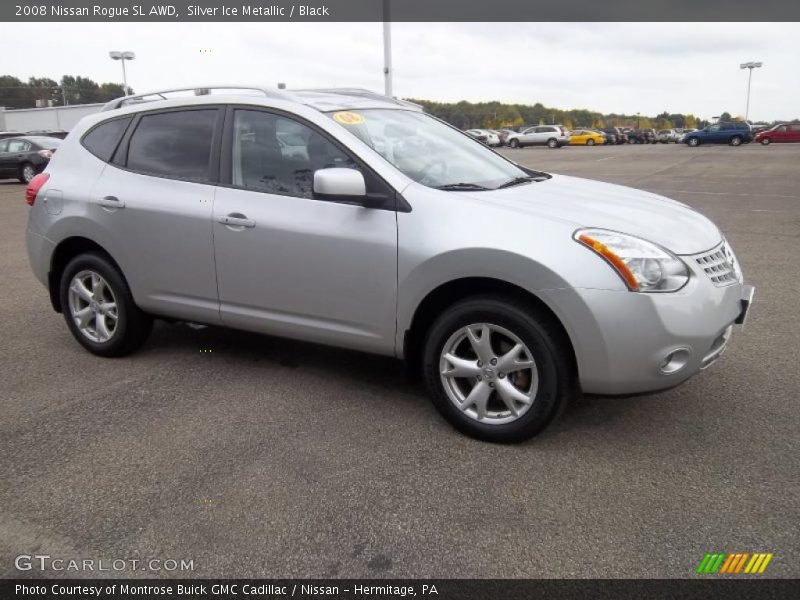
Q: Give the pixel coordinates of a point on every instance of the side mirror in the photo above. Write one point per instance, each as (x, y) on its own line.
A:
(340, 183)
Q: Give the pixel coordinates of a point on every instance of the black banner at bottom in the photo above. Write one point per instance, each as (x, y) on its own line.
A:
(386, 589)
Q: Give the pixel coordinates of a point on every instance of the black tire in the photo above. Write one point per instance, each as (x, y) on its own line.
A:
(26, 172)
(132, 325)
(765, 141)
(514, 143)
(693, 142)
(590, 142)
(552, 143)
(549, 349)
(736, 141)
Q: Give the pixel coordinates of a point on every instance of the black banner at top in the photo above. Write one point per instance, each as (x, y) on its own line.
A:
(400, 10)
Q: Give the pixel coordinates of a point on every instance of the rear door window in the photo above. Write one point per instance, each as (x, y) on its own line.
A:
(102, 140)
(175, 144)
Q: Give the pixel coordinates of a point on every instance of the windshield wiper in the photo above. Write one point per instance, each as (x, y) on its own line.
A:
(519, 180)
(456, 187)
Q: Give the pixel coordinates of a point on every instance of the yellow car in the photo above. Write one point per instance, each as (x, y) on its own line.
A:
(584, 137)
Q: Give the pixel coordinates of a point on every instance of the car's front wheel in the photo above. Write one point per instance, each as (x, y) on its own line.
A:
(765, 141)
(496, 369)
(590, 142)
(99, 308)
(514, 143)
(693, 142)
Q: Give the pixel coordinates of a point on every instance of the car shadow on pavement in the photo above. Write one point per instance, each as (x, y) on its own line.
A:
(356, 368)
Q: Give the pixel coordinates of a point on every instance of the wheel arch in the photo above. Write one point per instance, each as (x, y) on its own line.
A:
(64, 252)
(446, 294)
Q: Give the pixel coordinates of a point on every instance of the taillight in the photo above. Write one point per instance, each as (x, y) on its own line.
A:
(46, 153)
(34, 186)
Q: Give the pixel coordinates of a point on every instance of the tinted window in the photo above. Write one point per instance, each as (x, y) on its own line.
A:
(3, 145)
(174, 144)
(263, 160)
(103, 139)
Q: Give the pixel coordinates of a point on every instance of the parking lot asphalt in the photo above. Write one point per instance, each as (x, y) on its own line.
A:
(254, 456)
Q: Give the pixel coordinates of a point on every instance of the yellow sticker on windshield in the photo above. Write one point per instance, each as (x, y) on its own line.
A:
(348, 118)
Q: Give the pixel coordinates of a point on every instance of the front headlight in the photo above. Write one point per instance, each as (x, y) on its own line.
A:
(642, 265)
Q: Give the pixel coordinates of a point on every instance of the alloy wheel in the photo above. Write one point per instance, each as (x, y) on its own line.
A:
(93, 306)
(488, 373)
(28, 173)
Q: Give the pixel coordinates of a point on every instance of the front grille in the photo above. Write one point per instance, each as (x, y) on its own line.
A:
(719, 265)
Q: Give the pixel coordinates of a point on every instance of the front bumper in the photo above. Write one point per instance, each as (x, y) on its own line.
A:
(628, 343)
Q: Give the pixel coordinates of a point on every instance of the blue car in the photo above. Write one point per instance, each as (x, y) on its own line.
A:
(734, 133)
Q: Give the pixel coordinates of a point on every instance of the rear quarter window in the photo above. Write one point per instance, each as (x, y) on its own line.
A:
(103, 139)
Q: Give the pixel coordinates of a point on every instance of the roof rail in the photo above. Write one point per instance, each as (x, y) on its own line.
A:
(198, 91)
(362, 93)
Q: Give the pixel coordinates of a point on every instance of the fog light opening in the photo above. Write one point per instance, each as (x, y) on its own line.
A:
(675, 361)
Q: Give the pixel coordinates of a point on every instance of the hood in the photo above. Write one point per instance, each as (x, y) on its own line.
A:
(589, 203)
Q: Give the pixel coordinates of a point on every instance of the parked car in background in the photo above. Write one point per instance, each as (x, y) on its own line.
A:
(586, 137)
(619, 136)
(25, 156)
(510, 290)
(643, 136)
(665, 136)
(486, 136)
(503, 135)
(781, 133)
(553, 136)
(56, 133)
(734, 133)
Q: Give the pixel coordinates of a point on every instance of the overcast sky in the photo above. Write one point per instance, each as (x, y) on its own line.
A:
(618, 67)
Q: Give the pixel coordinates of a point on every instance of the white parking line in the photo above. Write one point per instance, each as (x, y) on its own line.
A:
(606, 158)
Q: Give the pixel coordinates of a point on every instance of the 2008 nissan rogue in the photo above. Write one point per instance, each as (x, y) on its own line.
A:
(347, 218)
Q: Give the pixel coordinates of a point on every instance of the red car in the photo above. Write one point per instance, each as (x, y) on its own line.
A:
(785, 132)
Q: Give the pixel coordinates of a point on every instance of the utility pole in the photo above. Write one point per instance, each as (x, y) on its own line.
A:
(387, 49)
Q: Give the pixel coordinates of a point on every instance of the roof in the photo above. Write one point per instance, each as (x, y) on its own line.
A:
(320, 99)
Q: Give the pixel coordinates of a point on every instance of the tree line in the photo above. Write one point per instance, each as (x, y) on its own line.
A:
(43, 91)
(498, 115)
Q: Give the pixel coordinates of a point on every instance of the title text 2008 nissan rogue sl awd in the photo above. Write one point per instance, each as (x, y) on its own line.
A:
(347, 218)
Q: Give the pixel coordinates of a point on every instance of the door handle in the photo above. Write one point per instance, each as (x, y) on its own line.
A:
(237, 220)
(111, 202)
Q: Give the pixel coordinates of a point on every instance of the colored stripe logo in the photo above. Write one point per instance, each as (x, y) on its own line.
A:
(734, 563)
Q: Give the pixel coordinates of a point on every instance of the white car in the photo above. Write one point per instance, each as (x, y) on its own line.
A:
(490, 138)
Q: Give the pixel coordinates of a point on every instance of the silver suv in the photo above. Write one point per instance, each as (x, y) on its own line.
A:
(553, 136)
(347, 218)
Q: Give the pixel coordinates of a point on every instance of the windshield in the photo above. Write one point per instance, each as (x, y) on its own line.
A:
(428, 151)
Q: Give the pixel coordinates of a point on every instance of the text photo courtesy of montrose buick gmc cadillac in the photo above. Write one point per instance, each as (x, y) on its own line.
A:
(383, 230)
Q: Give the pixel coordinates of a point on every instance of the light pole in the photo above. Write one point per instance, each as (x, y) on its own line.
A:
(387, 49)
(749, 66)
(123, 56)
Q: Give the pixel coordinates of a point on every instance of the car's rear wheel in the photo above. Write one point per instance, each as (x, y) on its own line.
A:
(693, 142)
(99, 308)
(736, 141)
(514, 143)
(765, 141)
(552, 143)
(27, 172)
(496, 369)
(590, 142)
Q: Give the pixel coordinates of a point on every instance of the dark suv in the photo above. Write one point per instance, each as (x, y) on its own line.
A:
(643, 136)
(734, 133)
